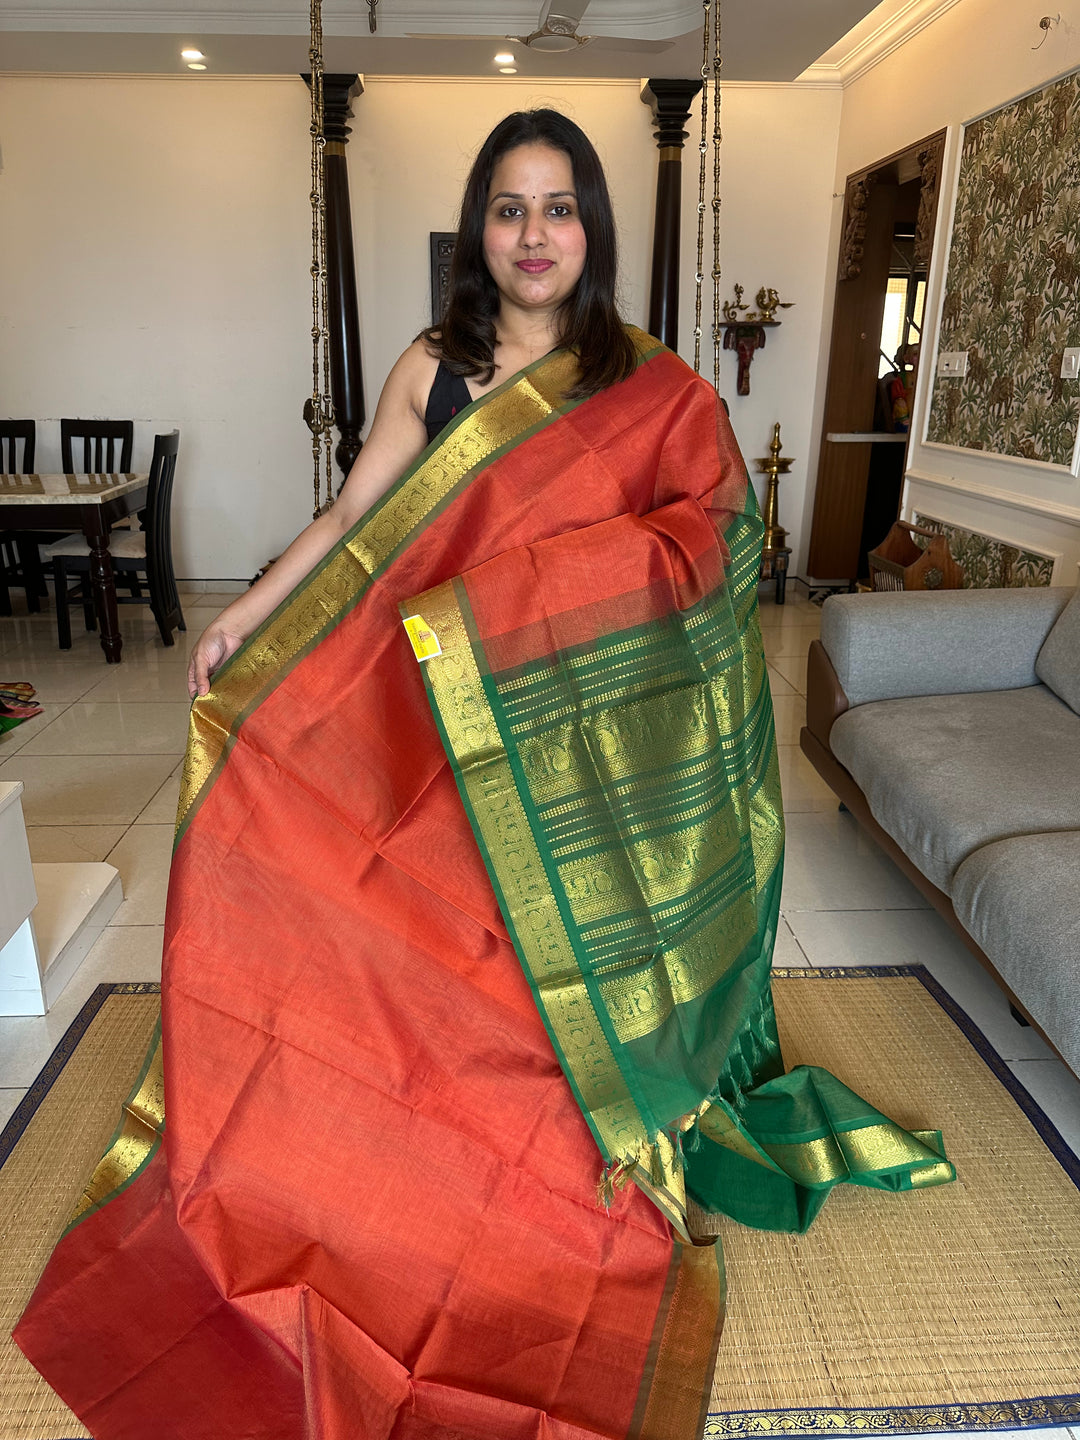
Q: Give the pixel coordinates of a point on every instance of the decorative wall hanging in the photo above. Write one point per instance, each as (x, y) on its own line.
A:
(744, 329)
(442, 244)
(1012, 294)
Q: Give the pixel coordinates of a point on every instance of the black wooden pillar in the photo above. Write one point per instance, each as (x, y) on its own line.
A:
(346, 374)
(670, 102)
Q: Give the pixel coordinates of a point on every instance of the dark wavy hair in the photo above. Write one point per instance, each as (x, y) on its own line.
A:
(588, 321)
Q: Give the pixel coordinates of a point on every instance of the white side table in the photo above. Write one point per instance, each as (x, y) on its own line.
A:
(50, 915)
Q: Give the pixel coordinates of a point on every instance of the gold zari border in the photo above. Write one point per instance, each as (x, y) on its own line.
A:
(320, 600)
(686, 1356)
(532, 910)
(140, 1132)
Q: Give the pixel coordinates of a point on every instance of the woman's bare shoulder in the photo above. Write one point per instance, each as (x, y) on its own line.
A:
(411, 379)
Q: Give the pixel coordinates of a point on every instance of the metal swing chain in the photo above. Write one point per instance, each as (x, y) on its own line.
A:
(711, 59)
(717, 138)
(699, 274)
(321, 408)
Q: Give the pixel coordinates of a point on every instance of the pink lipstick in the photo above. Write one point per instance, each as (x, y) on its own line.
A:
(534, 267)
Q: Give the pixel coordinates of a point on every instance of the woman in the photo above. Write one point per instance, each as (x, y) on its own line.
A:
(535, 206)
(438, 963)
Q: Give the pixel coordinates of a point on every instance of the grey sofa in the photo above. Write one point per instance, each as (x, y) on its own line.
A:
(949, 724)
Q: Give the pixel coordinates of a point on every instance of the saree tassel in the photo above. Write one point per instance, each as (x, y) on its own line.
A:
(656, 1163)
(613, 1177)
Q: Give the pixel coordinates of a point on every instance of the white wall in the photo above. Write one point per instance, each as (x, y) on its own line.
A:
(154, 264)
(158, 267)
(411, 147)
(778, 160)
(976, 57)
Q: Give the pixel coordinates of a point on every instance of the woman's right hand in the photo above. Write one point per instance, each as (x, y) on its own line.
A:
(213, 648)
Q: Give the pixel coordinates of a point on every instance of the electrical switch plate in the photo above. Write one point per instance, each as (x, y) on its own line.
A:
(952, 362)
(1070, 364)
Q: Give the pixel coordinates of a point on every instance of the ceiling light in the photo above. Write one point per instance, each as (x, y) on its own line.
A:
(505, 59)
(192, 55)
(507, 69)
(195, 65)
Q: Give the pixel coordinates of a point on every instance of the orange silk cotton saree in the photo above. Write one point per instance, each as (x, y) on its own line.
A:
(465, 1005)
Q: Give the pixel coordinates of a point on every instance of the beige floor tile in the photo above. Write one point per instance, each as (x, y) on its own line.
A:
(162, 808)
(792, 641)
(12, 741)
(789, 713)
(831, 864)
(106, 727)
(787, 950)
(802, 787)
(140, 680)
(791, 669)
(75, 790)
(778, 684)
(62, 844)
(58, 678)
(797, 616)
(9, 1101)
(143, 856)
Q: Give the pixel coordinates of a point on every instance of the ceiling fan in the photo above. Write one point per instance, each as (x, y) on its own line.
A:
(557, 32)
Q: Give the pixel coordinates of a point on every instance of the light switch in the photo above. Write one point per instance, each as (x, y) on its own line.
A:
(1070, 364)
(952, 362)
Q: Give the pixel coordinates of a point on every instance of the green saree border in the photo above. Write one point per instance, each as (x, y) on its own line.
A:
(481, 434)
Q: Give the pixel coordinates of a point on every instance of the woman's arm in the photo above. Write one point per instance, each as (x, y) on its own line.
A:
(397, 437)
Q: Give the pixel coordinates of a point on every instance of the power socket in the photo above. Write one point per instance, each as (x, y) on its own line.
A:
(952, 363)
(1070, 363)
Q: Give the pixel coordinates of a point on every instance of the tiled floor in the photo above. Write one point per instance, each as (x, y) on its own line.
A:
(101, 769)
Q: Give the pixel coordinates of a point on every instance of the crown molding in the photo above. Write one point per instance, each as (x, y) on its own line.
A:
(872, 43)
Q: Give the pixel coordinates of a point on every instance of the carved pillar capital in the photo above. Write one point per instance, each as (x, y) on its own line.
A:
(670, 102)
(338, 93)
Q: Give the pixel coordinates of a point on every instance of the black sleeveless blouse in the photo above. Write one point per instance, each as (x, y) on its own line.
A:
(449, 394)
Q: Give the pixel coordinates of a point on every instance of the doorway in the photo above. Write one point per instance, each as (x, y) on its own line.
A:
(885, 250)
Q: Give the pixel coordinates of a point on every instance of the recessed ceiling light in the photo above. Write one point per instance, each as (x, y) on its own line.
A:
(192, 55)
(504, 59)
(195, 65)
(507, 69)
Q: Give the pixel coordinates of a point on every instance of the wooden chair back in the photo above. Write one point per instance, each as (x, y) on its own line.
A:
(105, 450)
(11, 433)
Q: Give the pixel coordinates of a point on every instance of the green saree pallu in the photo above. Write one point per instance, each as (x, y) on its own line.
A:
(467, 1033)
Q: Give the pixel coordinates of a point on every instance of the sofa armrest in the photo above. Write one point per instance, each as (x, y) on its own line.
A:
(892, 644)
(825, 700)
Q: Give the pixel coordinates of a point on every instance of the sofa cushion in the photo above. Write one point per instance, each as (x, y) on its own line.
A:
(1020, 900)
(945, 774)
(1058, 661)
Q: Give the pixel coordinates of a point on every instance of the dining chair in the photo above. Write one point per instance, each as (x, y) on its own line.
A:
(106, 446)
(19, 563)
(146, 551)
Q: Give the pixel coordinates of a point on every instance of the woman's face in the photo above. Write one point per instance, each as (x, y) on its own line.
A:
(534, 242)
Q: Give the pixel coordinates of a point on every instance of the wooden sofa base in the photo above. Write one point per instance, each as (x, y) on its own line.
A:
(825, 702)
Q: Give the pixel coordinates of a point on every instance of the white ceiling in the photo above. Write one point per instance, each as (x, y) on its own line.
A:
(762, 39)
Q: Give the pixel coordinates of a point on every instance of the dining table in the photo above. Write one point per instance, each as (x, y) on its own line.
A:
(90, 503)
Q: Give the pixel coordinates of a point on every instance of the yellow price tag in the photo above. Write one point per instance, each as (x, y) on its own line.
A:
(425, 642)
